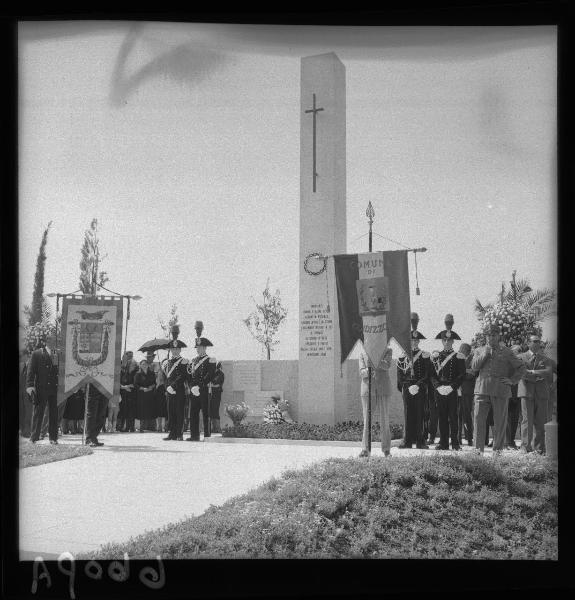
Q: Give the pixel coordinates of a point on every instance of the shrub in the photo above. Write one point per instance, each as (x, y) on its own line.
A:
(376, 508)
(350, 431)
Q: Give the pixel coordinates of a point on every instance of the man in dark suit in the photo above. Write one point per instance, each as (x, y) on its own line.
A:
(533, 389)
(201, 371)
(175, 371)
(466, 400)
(42, 386)
(514, 409)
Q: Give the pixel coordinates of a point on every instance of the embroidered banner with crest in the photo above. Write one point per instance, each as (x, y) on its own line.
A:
(92, 345)
(373, 301)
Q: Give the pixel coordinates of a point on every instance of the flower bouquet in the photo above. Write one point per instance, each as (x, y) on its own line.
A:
(513, 320)
(237, 412)
(276, 411)
(35, 333)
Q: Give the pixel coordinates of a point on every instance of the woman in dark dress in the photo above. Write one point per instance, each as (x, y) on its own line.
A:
(161, 404)
(74, 412)
(145, 385)
(127, 414)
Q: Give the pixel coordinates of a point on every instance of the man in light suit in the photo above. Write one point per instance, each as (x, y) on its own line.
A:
(533, 390)
(498, 369)
(381, 392)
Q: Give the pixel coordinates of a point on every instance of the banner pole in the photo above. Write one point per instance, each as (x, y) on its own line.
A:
(86, 398)
(370, 213)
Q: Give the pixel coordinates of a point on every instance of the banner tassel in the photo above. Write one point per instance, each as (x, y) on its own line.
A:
(417, 292)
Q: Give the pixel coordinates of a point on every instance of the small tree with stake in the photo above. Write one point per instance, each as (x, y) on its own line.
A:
(90, 274)
(264, 322)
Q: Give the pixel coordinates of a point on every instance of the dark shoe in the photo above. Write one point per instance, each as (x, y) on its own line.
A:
(167, 439)
(97, 443)
(470, 442)
(93, 444)
(54, 442)
(422, 447)
(191, 439)
(431, 441)
(523, 450)
(33, 440)
(440, 447)
(456, 447)
(363, 454)
(403, 446)
(386, 453)
(132, 430)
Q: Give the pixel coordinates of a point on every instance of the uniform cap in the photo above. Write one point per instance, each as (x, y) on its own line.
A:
(447, 334)
(202, 341)
(416, 335)
(177, 344)
(448, 317)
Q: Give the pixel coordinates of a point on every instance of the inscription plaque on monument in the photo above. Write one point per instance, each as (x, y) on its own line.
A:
(247, 375)
(316, 327)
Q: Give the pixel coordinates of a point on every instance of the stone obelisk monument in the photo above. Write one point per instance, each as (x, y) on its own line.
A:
(322, 382)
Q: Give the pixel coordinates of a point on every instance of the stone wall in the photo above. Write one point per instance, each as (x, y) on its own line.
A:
(279, 375)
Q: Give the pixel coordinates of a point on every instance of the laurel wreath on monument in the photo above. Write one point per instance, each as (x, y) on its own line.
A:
(90, 362)
(317, 256)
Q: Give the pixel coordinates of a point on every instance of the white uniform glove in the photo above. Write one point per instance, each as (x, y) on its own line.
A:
(170, 390)
(196, 390)
(413, 389)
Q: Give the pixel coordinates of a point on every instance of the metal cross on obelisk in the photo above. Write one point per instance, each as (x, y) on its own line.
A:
(314, 111)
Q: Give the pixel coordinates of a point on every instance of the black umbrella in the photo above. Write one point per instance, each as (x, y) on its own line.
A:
(153, 345)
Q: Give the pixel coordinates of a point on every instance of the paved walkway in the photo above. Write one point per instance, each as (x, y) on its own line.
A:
(137, 482)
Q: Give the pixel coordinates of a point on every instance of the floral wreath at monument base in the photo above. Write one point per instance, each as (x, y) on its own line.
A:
(318, 256)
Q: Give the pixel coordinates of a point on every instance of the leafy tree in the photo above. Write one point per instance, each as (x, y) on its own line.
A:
(263, 323)
(36, 312)
(172, 320)
(90, 274)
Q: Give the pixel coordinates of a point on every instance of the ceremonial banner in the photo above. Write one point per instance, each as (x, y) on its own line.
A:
(92, 339)
(373, 299)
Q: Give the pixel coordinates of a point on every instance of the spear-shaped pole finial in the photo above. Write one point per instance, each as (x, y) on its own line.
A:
(370, 213)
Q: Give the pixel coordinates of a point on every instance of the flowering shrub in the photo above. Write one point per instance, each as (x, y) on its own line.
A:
(349, 431)
(513, 320)
(237, 412)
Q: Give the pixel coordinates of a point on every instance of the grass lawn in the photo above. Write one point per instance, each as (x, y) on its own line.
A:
(32, 455)
(453, 506)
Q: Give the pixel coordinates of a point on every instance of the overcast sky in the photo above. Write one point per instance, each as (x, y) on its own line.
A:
(183, 140)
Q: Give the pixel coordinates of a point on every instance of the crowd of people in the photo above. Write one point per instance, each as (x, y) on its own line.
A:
(162, 397)
(460, 395)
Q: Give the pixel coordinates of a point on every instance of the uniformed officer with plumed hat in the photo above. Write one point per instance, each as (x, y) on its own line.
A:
(412, 378)
(448, 331)
(175, 371)
(447, 374)
(201, 369)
